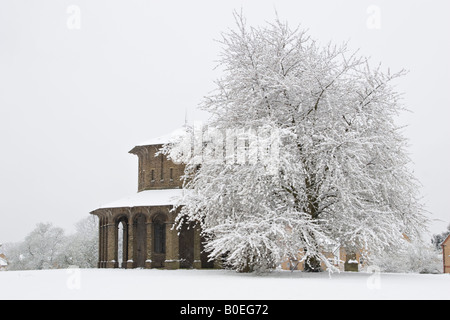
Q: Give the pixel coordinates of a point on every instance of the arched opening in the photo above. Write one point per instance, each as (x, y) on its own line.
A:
(122, 242)
(159, 240)
(140, 238)
(186, 245)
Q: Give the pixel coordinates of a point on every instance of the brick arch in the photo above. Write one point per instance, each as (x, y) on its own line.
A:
(121, 217)
(159, 216)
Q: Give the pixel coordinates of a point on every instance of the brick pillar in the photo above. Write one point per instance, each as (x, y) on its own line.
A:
(129, 262)
(100, 243)
(197, 248)
(148, 261)
(104, 242)
(111, 244)
(172, 250)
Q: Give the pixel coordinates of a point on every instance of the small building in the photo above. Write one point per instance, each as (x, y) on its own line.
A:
(446, 253)
(338, 257)
(137, 231)
(3, 262)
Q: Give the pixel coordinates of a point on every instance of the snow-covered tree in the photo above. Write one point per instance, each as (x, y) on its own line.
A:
(41, 249)
(337, 173)
(81, 248)
(47, 247)
(413, 257)
(13, 253)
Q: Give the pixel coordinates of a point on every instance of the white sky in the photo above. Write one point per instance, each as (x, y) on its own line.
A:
(73, 102)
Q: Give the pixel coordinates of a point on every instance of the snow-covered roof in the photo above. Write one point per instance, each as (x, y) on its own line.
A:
(165, 138)
(446, 240)
(3, 262)
(147, 198)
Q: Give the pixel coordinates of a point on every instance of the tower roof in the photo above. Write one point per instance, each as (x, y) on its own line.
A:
(161, 139)
(147, 198)
(447, 240)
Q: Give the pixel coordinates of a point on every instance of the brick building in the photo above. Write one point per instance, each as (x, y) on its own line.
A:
(3, 262)
(446, 252)
(338, 257)
(136, 232)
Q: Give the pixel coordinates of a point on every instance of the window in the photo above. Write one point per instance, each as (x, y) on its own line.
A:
(171, 174)
(152, 175)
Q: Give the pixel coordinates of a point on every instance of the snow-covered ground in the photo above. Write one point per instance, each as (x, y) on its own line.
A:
(217, 284)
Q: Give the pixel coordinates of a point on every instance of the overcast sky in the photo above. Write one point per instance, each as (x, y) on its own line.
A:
(82, 82)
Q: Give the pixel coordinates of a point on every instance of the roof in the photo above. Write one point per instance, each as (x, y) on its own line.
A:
(446, 240)
(3, 262)
(147, 198)
(170, 137)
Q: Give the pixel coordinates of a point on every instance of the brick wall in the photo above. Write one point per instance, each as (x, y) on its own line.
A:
(156, 172)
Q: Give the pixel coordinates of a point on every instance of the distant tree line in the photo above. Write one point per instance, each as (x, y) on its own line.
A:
(48, 247)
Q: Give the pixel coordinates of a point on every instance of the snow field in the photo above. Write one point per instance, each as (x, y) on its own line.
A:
(93, 284)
